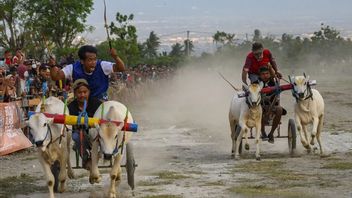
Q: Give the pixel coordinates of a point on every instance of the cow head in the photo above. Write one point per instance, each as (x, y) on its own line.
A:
(110, 137)
(40, 130)
(301, 88)
(253, 93)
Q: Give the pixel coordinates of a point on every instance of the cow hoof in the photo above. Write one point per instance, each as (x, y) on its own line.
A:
(258, 158)
(95, 179)
(246, 146)
(307, 146)
(237, 157)
(112, 195)
(61, 190)
(324, 155)
(309, 150)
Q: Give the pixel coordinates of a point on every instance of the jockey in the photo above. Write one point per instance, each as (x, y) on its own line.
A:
(257, 58)
(82, 93)
(95, 72)
(275, 110)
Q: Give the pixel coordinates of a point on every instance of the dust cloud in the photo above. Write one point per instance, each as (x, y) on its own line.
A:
(195, 97)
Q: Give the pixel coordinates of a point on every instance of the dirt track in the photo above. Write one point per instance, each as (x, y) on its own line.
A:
(183, 150)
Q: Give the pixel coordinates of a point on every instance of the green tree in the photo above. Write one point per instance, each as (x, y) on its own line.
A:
(189, 47)
(151, 45)
(177, 50)
(224, 38)
(124, 40)
(326, 33)
(220, 37)
(57, 22)
(11, 28)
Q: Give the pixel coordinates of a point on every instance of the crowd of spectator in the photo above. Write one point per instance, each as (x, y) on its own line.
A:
(23, 77)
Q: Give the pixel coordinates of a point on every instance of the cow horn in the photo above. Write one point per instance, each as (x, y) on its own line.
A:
(304, 74)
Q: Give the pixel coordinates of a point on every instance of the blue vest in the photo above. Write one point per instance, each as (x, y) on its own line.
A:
(98, 81)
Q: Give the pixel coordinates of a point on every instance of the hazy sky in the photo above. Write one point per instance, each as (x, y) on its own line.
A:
(270, 16)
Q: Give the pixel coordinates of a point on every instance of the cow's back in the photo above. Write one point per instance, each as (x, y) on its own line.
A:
(319, 102)
(52, 105)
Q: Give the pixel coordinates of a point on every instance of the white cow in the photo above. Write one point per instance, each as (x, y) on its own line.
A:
(46, 135)
(108, 136)
(246, 113)
(309, 109)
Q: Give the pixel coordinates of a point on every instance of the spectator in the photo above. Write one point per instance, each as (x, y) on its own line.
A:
(21, 70)
(8, 59)
(18, 58)
(10, 88)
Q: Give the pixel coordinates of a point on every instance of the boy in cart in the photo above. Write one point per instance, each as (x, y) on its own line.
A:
(270, 104)
(81, 92)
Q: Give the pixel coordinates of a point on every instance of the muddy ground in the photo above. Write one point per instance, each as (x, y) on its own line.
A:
(183, 149)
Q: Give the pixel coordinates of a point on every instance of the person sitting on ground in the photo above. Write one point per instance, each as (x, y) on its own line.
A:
(257, 58)
(274, 111)
(81, 92)
(95, 72)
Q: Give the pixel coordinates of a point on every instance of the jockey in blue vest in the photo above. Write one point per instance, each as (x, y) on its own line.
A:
(95, 72)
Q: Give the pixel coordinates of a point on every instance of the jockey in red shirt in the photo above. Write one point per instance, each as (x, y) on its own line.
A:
(257, 58)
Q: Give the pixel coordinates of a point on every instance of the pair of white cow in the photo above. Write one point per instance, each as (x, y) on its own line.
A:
(108, 136)
(246, 113)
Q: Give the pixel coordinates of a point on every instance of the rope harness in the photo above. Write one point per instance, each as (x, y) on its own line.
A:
(82, 127)
(307, 92)
(62, 134)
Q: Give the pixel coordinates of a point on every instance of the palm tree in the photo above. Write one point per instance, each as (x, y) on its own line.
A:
(151, 45)
(189, 47)
(176, 50)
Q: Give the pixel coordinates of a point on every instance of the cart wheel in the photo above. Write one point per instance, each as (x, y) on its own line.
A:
(130, 165)
(292, 136)
(55, 169)
(238, 130)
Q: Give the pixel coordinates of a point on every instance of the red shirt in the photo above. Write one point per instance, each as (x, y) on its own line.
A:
(8, 61)
(252, 65)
